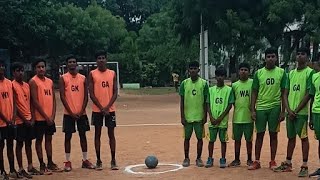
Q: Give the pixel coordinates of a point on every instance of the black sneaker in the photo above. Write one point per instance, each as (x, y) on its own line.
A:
(15, 175)
(235, 163)
(99, 165)
(4, 176)
(316, 173)
(23, 173)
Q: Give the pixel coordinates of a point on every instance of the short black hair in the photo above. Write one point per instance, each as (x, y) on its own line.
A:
(70, 56)
(34, 64)
(304, 50)
(221, 71)
(244, 65)
(16, 65)
(100, 53)
(194, 64)
(271, 50)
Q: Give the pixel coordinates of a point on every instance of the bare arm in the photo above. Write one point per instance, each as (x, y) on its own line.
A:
(54, 108)
(63, 96)
(91, 92)
(225, 112)
(34, 99)
(182, 116)
(115, 92)
(303, 103)
(254, 95)
(85, 100)
(283, 109)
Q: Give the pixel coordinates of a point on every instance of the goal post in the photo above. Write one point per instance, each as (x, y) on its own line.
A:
(84, 68)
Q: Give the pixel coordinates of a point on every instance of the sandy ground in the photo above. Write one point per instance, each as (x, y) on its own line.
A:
(136, 139)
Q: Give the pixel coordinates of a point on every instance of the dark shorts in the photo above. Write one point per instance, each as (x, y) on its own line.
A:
(109, 120)
(7, 133)
(24, 132)
(42, 128)
(69, 124)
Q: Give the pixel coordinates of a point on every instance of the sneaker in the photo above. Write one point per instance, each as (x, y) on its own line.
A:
(23, 173)
(15, 175)
(272, 165)
(44, 170)
(199, 162)
(235, 163)
(284, 167)
(186, 162)
(67, 166)
(254, 166)
(209, 162)
(34, 171)
(87, 164)
(4, 176)
(53, 167)
(316, 173)
(114, 165)
(223, 162)
(303, 171)
(99, 165)
(249, 162)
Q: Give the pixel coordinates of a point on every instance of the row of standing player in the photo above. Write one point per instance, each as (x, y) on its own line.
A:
(257, 102)
(28, 110)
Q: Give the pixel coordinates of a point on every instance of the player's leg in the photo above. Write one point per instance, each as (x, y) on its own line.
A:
(198, 129)
(286, 166)
(302, 131)
(111, 124)
(10, 153)
(49, 132)
(188, 129)
(223, 136)
(68, 128)
(261, 123)
(83, 127)
(237, 131)
(213, 132)
(3, 172)
(316, 125)
(19, 145)
(30, 135)
(39, 133)
(274, 128)
(248, 134)
(97, 121)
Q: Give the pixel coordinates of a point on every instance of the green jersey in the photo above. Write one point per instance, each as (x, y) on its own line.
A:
(242, 93)
(298, 84)
(315, 91)
(269, 84)
(195, 94)
(219, 99)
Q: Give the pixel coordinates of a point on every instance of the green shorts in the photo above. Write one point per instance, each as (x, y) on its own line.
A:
(316, 124)
(270, 116)
(213, 133)
(198, 129)
(298, 126)
(242, 128)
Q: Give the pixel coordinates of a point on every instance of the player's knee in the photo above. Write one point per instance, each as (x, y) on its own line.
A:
(19, 144)
(28, 143)
(188, 140)
(260, 135)
(82, 136)
(306, 139)
(273, 135)
(68, 136)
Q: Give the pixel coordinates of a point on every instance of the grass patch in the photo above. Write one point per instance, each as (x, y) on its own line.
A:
(150, 91)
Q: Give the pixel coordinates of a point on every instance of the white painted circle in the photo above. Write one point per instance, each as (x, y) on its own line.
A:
(129, 169)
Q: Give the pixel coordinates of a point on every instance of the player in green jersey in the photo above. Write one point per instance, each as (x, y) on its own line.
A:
(242, 122)
(296, 97)
(193, 93)
(219, 102)
(315, 101)
(267, 90)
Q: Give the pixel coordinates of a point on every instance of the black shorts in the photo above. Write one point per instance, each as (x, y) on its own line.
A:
(109, 120)
(42, 128)
(7, 133)
(24, 132)
(69, 124)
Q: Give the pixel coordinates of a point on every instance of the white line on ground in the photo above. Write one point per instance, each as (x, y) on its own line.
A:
(141, 125)
(128, 169)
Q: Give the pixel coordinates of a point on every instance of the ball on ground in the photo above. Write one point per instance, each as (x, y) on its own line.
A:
(151, 162)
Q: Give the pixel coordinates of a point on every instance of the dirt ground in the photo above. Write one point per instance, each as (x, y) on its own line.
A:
(138, 138)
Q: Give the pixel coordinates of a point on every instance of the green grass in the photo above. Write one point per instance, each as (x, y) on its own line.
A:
(149, 91)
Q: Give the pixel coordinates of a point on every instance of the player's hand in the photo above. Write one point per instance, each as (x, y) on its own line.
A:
(217, 122)
(311, 125)
(282, 116)
(183, 121)
(253, 115)
(28, 123)
(74, 116)
(292, 115)
(212, 120)
(9, 123)
(105, 111)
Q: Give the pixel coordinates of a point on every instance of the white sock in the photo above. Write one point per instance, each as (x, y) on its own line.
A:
(84, 156)
(68, 156)
(288, 161)
(305, 164)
